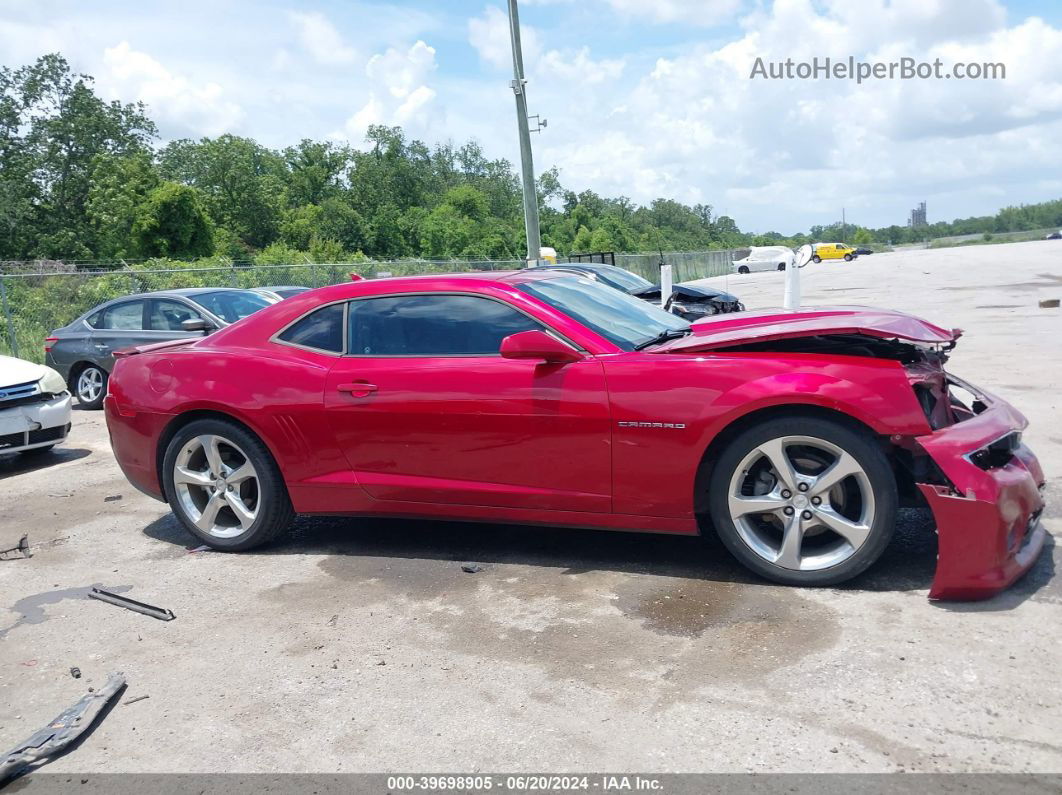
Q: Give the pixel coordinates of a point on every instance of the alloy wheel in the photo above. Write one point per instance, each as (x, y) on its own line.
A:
(89, 385)
(217, 486)
(801, 503)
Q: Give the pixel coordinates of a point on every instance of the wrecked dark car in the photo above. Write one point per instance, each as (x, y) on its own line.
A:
(687, 301)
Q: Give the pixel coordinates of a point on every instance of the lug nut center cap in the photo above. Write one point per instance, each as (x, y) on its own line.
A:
(800, 501)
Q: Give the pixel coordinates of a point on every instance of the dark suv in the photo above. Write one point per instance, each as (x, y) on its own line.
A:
(82, 351)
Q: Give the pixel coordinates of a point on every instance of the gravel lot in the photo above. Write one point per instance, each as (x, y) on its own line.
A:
(358, 645)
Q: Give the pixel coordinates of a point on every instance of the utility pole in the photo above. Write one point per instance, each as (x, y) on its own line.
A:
(519, 84)
(844, 227)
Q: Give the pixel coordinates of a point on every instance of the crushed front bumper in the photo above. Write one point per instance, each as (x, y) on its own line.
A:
(31, 425)
(988, 514)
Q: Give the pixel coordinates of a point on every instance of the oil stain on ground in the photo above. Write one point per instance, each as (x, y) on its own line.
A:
(30, 609)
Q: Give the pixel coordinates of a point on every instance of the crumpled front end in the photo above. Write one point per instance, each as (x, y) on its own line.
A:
(986, 492)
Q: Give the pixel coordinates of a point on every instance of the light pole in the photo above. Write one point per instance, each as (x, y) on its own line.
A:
(519, 84)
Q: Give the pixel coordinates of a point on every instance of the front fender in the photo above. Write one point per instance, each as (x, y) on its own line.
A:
(879, 397)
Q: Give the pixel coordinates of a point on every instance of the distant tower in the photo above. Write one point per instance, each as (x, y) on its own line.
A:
(918, 216)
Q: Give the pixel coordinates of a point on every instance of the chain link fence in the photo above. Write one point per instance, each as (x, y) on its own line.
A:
(36, 299)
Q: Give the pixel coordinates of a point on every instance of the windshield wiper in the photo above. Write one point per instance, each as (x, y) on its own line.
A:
(664, 336)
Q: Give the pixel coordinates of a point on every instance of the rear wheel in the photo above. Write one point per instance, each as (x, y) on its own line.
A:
(804, 501)
(224, 486)
(816, 259)
(743, 269)
(90, 386)
(781, 266)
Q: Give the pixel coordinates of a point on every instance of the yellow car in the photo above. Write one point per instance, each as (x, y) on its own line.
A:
(833, 251)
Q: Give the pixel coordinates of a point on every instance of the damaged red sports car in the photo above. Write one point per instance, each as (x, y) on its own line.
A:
(547, 398)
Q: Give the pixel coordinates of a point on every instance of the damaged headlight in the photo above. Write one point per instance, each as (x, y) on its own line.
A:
(52, 383)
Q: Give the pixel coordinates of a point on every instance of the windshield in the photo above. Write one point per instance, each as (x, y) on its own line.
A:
(231, 305)
(624, 280)
(620, 318)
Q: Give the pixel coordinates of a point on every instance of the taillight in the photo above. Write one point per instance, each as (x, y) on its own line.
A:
(49, 342)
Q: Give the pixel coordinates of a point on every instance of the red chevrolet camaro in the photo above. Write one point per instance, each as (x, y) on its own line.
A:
(547, 398)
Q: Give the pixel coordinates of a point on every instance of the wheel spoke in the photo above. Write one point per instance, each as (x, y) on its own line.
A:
(189, 477)
(844, 466)
(243, 513)
(792, 539)
(855, 533)
(212, 450)
(763, 503)
(209, 516)
(780, 463)
(241, 473)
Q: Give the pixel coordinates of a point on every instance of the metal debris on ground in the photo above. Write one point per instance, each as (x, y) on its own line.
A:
(333, 620)
(75, 672)
(112, 498)
(202, 548)
(61, 732)
(1049, 303)
(161, 613)
(129, 701)
(17, 552)
(471, 568)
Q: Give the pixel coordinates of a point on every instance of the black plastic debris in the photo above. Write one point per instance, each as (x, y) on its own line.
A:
(75, 672)
(471, 568)
(161, 613)
(17, 552)
(61, 732)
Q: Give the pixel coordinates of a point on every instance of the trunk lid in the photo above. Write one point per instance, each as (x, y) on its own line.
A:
(740, 328)
(155, 346)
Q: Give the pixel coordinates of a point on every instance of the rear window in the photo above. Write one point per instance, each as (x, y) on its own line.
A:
(321, 330)
(231, 305)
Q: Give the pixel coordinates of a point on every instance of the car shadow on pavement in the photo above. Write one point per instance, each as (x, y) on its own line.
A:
(907, 564)
(12, 464)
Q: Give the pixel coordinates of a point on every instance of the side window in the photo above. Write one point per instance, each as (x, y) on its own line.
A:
(94, 319)
(124, 317)
(432, 325)
(322, 330)
(167, 315)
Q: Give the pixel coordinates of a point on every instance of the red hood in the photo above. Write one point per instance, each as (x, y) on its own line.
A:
(739, 328)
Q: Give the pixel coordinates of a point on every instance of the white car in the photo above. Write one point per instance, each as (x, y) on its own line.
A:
(764, 258)
(34, 407)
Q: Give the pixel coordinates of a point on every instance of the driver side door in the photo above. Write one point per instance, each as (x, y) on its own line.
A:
(426, 409)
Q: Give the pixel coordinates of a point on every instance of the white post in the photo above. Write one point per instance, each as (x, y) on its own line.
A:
(665, 283)
(791, 299)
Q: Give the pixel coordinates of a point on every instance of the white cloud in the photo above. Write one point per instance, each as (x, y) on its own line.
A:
(320, 38)
(489, 36)
(399, 93)
(185, 107)
(692, 12)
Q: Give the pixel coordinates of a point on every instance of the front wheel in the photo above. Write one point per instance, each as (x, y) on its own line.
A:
(224, 486)
(743, 270)
(804, 501)
(90, 386)
(781, 266)
(847, 257)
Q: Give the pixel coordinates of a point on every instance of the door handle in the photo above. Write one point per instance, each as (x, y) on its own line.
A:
(100, 346)
(358, 388)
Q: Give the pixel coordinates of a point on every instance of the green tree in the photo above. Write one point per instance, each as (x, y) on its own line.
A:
(173, 223)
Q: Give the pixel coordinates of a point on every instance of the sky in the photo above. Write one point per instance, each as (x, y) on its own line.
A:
(644, 98)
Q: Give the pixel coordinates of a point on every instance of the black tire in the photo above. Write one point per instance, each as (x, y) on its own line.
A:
(781, 266)
(859, 444)
(816, 259)
(743, 269)
(847, 257)
(96, 403)
(275, 513)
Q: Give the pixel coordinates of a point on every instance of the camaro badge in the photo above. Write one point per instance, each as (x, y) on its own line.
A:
(676, 425)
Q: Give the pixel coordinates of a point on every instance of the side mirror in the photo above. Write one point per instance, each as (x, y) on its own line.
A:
(538, 345)
(803, 255)
(196, 324)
